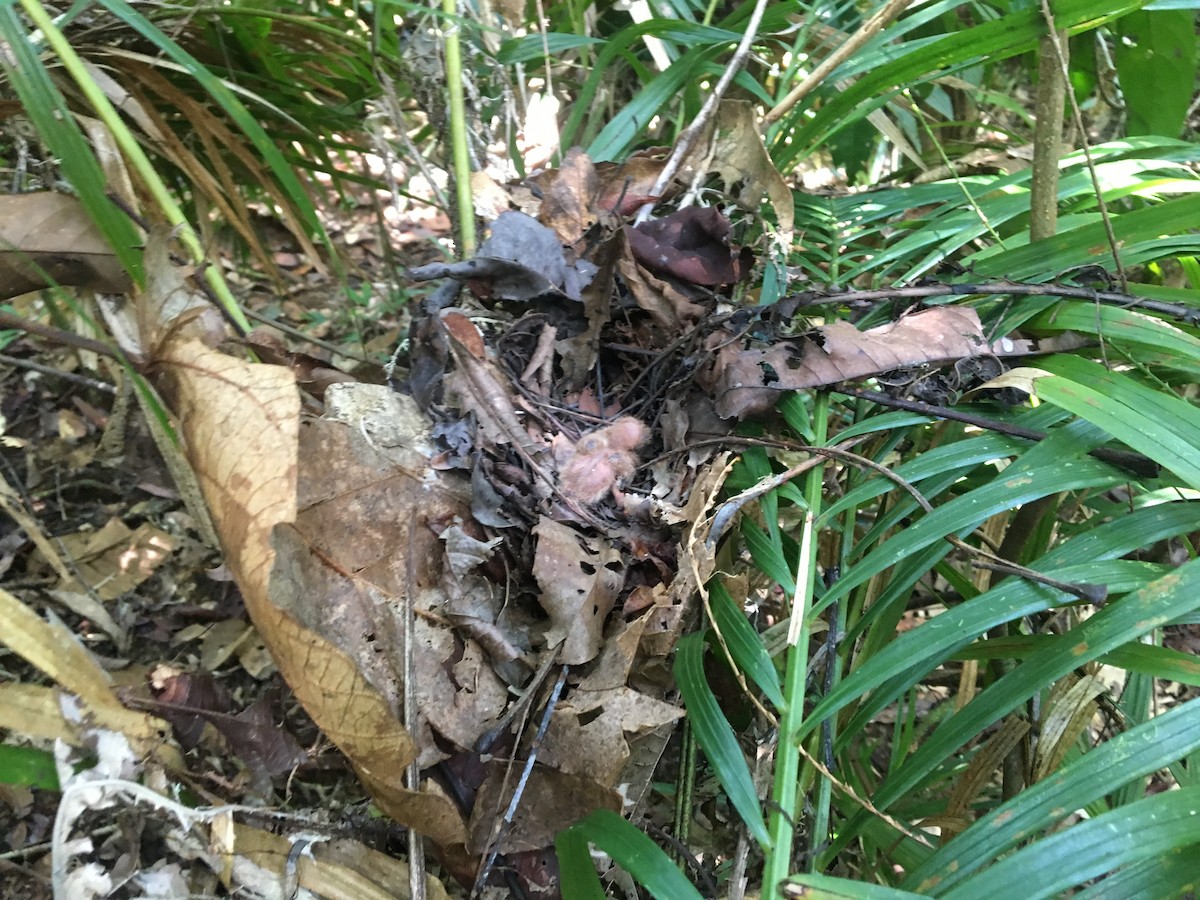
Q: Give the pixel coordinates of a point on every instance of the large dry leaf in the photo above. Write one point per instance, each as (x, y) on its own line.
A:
(47, 239)
(748, 382)
(241, 425)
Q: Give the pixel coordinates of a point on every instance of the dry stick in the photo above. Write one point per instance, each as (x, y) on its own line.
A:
(93, 383)
(525, 773)
(57, 335)
(869, 29)
(683, 144)
(1077, 118)
(1047, 142)
(412, 774)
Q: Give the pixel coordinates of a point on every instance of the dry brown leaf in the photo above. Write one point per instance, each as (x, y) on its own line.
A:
(50, 647)
(734, 149)
(552, 800)
(567, 196)
(47, 239)
(336, 870)
(748, 382)
(580, 577)
(114, 560)
(672, 310)
(241, 425)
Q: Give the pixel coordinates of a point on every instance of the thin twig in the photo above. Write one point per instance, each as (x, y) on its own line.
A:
(511, 812)
(57, 335)
(869, 29)
(93, 383)
(683, 144)
(416, 843)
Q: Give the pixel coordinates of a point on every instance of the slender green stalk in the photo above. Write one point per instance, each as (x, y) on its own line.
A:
(785, 796)
(458, 131)
(134, 154)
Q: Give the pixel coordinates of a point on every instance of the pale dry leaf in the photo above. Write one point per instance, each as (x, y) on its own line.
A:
(579, 577)
(241, 425)
(47, 239)
(749, 382)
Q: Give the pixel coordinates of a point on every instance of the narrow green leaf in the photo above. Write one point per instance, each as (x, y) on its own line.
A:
(1124, 328)
(1144, 659)
(56, 125)
(1118, 623)
(921, 60)
(576, 871)
(745, 644)
(826, 887)
(1140, 234)
(227, 100)
(1147, 748)
(629, 848)
(1179, 867)
(1008, 490)
(1127, 835)
(1153, 422)
(715, 736)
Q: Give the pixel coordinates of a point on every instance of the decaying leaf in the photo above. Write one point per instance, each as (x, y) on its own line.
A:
(521, 260)
(691, 245)
(748, 381)
(734, 149)
(47, 239)
(579, 577)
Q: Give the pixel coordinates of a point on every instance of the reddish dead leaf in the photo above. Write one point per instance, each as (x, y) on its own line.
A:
(188, 700)
(748, 382)
(47, 239)
(691, 245)
(627, 186)
(579, 577)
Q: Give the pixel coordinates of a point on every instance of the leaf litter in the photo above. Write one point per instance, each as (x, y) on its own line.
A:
(534, 496)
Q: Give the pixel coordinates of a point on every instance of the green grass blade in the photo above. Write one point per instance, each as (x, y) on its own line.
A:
(1118, 623)
(629, 848)
(1150, 827)
(1009, 490)
(826, 887)
(220, 92)
(1179, 867)
(745, 644)
(1153, 422)
(922, 60)
(1124, 328)
(1145, 749)
(48, 111)
(715, 736)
